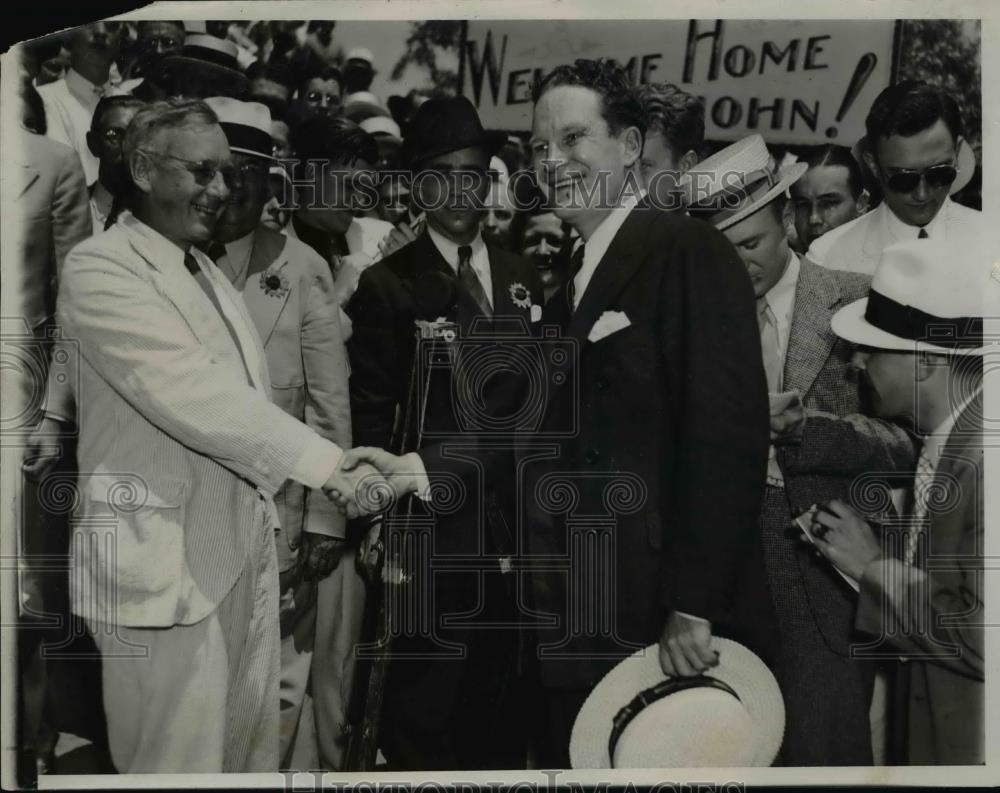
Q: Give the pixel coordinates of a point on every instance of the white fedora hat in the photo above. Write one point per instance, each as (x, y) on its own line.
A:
(926, 295)
(363, 104)
(247, 125)
(361, 54)
(966, 165)
(737, 181)
(382, 126)
(732, 716)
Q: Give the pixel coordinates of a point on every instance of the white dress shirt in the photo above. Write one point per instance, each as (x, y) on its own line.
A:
(480, 258)
(898, 231)
(100, 206)
(781, 299)
(599, 242)
(69, 107)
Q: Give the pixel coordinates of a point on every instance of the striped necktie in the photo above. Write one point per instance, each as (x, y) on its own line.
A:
(575, 265)
(922, 486)
(468, 278)
(768, 325)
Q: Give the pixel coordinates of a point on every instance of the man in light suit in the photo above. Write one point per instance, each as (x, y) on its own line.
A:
(656, 421)
(821, 441)
(920, 333)
(181, 452)
(915, 150)
(288, 291)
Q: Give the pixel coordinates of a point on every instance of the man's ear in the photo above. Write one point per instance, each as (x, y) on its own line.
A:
(928, 365)
(870, 162)
(631, 140)
(862, 202)
(92, 143)
(140, 166)
(688, 161)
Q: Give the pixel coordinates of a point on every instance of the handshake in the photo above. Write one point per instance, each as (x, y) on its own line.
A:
(369, 480)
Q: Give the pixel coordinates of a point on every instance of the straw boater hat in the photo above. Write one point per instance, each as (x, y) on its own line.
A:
(384, 130)
(636, 717)
(926, 295)
(363, 104)
(204, 54)
(737, 181)
(966, 164)
(361, 54)
(247, 125)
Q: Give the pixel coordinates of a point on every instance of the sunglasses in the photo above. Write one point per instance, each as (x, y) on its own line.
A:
(934, 177)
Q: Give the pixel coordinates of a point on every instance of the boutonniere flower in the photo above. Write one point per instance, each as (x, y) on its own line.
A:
(520, 295)
(274, 284)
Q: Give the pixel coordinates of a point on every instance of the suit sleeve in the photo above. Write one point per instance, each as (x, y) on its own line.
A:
(850, 445)
(71, 221)
(136, 341)
(376, 362)
(719, 422)
(934, 614)
(327, 403)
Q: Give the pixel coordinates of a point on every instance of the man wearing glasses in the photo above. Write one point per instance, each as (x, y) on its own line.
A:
(104, 140)
(181, 451)
(319, 94)
(915, 150)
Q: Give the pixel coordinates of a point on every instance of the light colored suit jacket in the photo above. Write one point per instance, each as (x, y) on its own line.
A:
(299, 325)
(934, 613)
(856, 246)
(178, 454)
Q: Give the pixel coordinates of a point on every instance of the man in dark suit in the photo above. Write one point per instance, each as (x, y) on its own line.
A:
(436, 705)
(821, 443)
(638, 498)
(920, 337)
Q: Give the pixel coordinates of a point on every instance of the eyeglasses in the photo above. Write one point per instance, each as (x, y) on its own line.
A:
(114, 135)
(165, 43)
(204, 171)
(907, 181)
(319, 98)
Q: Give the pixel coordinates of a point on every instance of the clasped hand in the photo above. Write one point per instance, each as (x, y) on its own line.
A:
(370, 480)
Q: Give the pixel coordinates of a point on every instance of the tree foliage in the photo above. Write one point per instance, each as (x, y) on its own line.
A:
(426, 39)
(940, 52)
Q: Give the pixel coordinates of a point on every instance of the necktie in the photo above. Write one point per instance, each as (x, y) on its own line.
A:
(468, 278)
(922, 484)
(768, 325)
(575, 265)
(215, 251)
(922, 235)
(192, 266)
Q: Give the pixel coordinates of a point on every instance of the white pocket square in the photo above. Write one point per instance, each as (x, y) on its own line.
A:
(609, 322)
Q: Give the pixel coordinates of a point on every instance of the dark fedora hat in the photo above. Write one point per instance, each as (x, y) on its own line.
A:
(205, 55)
(445, 125)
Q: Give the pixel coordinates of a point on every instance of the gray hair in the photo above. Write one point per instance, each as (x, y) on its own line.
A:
(163, 115)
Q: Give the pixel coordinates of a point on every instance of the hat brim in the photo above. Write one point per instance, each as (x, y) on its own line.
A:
(181, 63)
(738, 667)
(252, 153)
(966, 163)
(491, 140)
(849, 323)
(365, 110)
(788, 177)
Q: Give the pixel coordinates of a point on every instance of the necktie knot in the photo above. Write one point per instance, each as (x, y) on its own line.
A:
(191, 263)
(922, 234)
(464, 255)
(215, 251)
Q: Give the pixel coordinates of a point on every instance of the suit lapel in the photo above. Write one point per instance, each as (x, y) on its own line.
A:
(26, 175)
(268, 254)
(810, 339)
(623, 258)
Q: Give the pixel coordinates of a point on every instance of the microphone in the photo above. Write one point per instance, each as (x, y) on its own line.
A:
(433, 295)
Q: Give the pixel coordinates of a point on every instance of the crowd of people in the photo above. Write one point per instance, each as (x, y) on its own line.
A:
(235, 237)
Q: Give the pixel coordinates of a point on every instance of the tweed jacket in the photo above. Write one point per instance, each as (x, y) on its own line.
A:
(840, 442)
(179, 455)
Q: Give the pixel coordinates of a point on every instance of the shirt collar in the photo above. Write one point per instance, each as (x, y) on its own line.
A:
(903, 232)
(449, 249)
(600, 240)
(781, 296)
(84, 90)
(102, 198)
(161, 252)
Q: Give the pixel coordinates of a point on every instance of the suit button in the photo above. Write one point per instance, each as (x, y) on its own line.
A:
(591, 455)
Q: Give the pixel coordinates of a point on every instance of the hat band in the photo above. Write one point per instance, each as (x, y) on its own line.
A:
(241, 136)
(661, 690)
(735, 198)
(211, 56)
(911, 323)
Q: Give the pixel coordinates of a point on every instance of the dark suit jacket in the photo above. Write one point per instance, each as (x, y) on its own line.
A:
(639, 491)
(381, 351)
(840, 443)
(934, 613)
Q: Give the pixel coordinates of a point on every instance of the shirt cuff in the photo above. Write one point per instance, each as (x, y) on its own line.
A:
(421, 482)
(318, 462)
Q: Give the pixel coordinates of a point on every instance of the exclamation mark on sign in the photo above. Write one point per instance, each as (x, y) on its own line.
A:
(861, 74)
